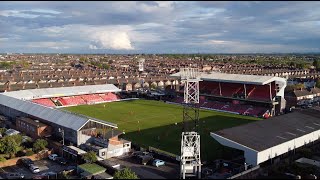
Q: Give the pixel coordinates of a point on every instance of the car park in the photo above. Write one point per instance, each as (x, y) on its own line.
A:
(15, 175)
(70, 169)
(158, 162)
(147, 159)
(140, 154)
(53, 157)
(34, 169)
(27, 162)
(61, 160)
(49, 175)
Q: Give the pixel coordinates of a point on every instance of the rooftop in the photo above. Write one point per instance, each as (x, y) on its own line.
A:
(92, 168)
(61, 91)
(264, 134)
(236, 78)
(32, 121)
(61, 118)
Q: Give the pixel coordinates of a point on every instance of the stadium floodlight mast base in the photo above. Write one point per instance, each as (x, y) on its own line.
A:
(190, 162)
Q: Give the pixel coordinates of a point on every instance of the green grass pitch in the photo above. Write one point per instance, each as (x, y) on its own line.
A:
(158, 124)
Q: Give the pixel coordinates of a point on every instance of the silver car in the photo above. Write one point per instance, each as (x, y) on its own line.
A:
(34, 169)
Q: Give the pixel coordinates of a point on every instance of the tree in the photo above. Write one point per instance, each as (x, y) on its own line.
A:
(40, 145)
(299, 86)
(17, 138)
(105, 66)
(9, 146)
(316, 64)
(318, 83)
(2, 130)
(125, 174)
(90, 157)
(301, 65)
(292, 64)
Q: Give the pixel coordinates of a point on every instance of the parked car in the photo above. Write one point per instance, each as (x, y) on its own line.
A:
(61, 160)
(140, 154)
(70, 169)
(27, 162)
(147, 159)
(34, 169)
(158, 162)
(53, 157)
(15, 175)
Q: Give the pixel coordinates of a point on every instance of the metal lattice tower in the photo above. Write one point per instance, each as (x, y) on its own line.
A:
(190, 162)
(141, 64)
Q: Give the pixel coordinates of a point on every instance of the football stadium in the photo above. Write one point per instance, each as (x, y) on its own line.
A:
(226, 100)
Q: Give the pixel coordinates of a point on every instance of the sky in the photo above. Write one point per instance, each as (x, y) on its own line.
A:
(159, 27)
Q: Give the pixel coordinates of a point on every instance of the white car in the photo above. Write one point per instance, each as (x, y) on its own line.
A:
(34, 169)
(53, 157)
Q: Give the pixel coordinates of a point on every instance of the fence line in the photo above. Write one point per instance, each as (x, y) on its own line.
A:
(244, 172)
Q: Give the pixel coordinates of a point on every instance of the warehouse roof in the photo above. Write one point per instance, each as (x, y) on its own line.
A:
(61, 118)
(236, 78)
(61, 91)
(267, 133)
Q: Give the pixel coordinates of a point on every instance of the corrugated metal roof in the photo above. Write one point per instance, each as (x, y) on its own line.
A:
(61, 91)
(264, 134)
(61, 118)
(236, 78)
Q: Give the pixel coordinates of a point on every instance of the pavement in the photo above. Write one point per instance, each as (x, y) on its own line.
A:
(44, 165)
(169, 171)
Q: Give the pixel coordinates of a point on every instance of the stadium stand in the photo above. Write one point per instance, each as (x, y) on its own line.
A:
(73, 100)
(109, 97)
(242, 109)
(91, 98)
(44, 101)
(78, 100)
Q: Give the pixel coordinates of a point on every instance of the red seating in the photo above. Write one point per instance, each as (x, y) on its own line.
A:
(109, 97)
(236, 108)
(91, 98)
(45, 101)
(260, 93)
(209, 88)
(73, 100)
(254, 92)
(228, 89)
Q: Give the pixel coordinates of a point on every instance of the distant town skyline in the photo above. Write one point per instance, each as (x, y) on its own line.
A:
(159, 27)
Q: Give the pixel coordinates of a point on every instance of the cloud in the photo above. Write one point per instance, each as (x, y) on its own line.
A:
(50, 45)
(160, 26)
(114, 40)
(33, 13)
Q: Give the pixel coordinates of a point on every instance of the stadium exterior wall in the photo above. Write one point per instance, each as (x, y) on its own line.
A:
(287, 146)
(254, 157)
